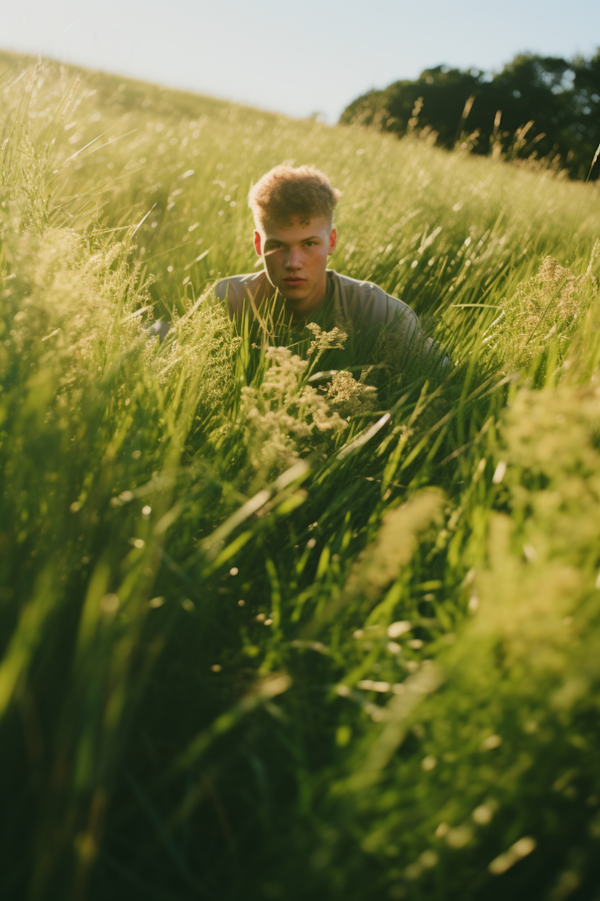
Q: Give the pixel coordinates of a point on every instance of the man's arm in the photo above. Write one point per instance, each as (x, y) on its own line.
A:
(403, 345)
(160, 327)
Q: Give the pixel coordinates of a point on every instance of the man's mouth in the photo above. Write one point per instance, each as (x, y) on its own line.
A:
(294, 282)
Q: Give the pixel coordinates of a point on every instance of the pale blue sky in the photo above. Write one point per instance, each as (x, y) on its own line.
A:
(296, 57)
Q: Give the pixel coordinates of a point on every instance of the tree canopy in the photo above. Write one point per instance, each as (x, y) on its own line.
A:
(541, 106)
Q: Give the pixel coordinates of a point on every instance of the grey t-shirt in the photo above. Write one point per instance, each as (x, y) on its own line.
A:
(376, 323)
(352, 302)
(380, 327)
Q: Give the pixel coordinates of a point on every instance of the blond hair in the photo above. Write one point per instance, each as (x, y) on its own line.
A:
(285, 193)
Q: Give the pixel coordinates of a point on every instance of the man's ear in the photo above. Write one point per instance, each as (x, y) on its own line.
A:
(332, 241)
(257, 243)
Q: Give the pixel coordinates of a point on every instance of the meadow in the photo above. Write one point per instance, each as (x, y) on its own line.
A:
(266, 634)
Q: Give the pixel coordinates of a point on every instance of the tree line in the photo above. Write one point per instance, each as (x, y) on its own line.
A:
(540, 107)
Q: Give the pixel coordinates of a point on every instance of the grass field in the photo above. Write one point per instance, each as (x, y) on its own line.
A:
(261, 641)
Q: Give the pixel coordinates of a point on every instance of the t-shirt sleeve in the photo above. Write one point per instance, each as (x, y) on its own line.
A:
(402, 341)
(400, 330)
(228, 290)
(221, 289)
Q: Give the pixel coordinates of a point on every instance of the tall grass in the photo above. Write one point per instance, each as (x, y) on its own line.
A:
(266, 633)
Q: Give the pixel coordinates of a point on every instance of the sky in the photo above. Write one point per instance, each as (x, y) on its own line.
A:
(298, 57)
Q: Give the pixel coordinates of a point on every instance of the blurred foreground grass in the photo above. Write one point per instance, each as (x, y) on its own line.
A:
(246, 657)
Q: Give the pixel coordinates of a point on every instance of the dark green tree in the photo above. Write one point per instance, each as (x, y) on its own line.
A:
(547, 107)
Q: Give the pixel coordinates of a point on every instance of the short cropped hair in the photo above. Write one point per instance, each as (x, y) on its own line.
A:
(285, 193)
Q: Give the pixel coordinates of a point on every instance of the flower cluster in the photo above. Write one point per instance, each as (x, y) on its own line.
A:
(284, 413)
(545, 306)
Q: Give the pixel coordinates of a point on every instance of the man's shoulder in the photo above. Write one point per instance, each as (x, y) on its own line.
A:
(235, 288)
(366, 300)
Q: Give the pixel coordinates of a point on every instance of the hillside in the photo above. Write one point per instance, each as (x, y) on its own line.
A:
(245, 657)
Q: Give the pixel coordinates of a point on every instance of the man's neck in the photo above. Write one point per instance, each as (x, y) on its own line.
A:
(311, 304)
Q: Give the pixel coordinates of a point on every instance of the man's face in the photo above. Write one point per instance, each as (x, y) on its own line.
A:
(295, 257)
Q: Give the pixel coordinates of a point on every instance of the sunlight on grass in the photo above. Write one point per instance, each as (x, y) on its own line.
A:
(275, 624)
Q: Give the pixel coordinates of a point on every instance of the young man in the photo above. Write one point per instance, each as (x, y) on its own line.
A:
(294, 234)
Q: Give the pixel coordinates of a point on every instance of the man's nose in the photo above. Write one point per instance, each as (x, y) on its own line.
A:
(293, 259)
